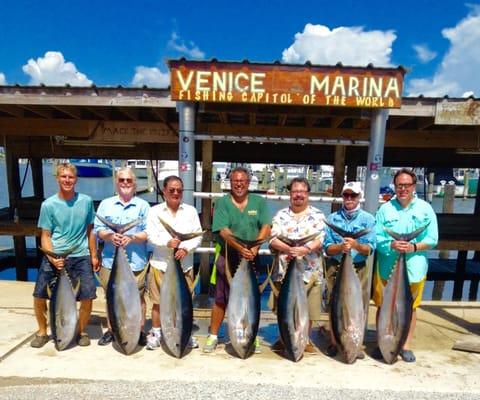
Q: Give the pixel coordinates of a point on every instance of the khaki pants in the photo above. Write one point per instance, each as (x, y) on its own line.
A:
(155, 280)
(104, 275)
(314, 298)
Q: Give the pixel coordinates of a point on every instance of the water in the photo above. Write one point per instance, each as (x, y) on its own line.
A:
(100, 188)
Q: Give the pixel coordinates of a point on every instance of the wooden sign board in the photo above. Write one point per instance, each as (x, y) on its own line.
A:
(282, 84)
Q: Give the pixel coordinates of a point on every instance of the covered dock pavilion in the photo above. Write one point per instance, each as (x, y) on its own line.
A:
(348, 127)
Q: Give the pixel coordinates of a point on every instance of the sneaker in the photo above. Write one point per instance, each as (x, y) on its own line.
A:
(332, 350)
(39, 341)
(83, 339)
(192, 343)
(210, 345)
(407, 356)
(310, 348)
(106, 338)
(257, 349)
(153, 341)
(278, 345)
(142, 340)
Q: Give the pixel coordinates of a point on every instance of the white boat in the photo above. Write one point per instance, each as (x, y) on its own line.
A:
(140, 167)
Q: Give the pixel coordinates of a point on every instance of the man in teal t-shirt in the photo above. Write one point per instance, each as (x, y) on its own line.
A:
(404, 213)
(245, 216)
(66, 220)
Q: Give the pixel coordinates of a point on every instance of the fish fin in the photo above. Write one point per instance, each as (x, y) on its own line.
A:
(360, 233)
(297, 242)
(340, 231)
(406, 236)
(119, 228)
(272, 285)
(188, 236)
(173, 233)
(228, 272)
(49, 291)
(267, 280)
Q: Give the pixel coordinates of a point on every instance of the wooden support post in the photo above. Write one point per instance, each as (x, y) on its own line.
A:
(14, 194)
(338, 173)
(352, 172)
(37, 177)
(448, 200)
(459, 275)
(207, 158)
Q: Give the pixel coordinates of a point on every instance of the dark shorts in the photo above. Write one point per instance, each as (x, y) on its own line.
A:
(221, 290)
(78, 268)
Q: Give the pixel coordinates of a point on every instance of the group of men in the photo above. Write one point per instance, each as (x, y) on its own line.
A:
(67, 222)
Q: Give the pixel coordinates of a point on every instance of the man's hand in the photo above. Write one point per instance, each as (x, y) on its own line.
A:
(349, 244)
(299, 251)
(247, 254)
(180, 254)
(402, 246)
(95, 263)
(58, 263)
(173, 243)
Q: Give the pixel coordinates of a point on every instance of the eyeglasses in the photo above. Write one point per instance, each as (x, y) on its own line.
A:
(298, 191)
(173, 190)
(125, 180)
(240, 181)
(350, 195)
(402, 186)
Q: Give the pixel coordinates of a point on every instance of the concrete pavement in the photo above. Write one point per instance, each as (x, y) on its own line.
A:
(438, 369)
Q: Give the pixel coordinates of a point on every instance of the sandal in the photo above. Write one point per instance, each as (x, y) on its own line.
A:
(407, 355)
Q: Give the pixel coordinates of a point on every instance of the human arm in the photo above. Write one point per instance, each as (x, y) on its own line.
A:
(46, 241)
(92, 246)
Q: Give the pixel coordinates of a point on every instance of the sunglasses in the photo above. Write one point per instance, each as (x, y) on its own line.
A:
(350, 195)
(403, 186)
(125, 180)
(173, 190)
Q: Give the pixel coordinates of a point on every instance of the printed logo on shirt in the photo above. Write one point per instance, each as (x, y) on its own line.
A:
(252, 213)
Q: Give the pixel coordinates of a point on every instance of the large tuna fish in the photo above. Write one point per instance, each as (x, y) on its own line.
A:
(395, 313)
(243, 304)
(176, 309)
(292, 305)
(123, 299)
(347, 311)
(63, 306)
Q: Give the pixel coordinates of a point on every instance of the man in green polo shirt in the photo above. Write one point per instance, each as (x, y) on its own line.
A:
(245, 216)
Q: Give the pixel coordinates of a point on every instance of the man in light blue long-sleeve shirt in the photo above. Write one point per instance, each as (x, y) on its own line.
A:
(405, 213)
(350, 218)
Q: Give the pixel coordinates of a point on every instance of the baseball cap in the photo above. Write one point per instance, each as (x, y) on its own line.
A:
(355, 187)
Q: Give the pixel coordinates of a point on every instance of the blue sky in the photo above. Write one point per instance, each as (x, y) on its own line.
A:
(126, 43)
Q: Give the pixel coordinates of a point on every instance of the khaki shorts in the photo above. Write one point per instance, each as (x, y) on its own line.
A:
(362, 273)
(155, 280)
(415, 288)
(314, 298)
(104, 275)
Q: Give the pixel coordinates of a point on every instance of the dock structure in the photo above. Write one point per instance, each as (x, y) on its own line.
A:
(239, 112)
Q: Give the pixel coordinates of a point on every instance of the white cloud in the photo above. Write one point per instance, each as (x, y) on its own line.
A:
(424, 54)
(51, 69)
(191, 50)
(348, 45)
(152, 77)
(3, 80)
(458, 71)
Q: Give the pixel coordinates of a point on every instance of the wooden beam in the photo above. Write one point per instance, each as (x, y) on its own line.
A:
(129, 112)
(12, 110)
(252, 119)
(396, 122)
(423, 123)
(99, 112)
(43, 112)
(335, 122)
(282, 119)
(73, 112)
